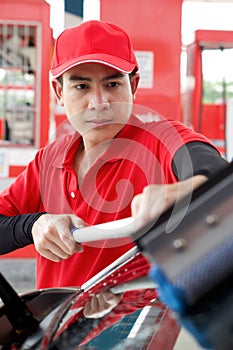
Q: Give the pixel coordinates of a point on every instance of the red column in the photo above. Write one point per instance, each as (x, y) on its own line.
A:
(155, 26)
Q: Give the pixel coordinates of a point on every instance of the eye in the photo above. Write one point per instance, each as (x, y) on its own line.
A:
(112, 84)
(81, 86)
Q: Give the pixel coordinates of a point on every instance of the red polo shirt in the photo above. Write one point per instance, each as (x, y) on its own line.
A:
(140, 155)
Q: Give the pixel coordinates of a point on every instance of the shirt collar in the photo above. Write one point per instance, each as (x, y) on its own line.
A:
(120, 148)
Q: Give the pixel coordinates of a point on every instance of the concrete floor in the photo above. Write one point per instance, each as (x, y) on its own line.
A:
(20, 273)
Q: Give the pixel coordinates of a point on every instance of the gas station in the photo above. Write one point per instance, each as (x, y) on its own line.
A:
(27, 44)
(30, 118)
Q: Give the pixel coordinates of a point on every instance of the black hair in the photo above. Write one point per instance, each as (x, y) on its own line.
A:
(60, 80)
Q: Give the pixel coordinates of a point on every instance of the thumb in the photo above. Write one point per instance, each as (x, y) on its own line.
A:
(136, 206)
(76, 221)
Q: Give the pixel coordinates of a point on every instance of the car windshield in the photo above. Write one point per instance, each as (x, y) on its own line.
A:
(130, 320)
(116, 309)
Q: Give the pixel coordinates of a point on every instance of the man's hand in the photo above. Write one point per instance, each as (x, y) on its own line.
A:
(155, 199)
(52, 237)
(101, 304)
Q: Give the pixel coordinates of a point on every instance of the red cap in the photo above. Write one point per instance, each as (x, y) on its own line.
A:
(93, 41)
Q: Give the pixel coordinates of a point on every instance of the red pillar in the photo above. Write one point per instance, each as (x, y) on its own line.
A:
(37, 12)
(33, 13)
(155, 26)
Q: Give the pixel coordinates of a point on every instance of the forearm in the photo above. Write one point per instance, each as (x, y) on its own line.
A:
(185, 187)
(155, 199)
(15, 231)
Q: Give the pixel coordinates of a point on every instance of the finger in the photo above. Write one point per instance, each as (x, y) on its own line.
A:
(66, 242)
(56, 240)
(139, 211)
(103, 305)
(52, 243)
(91, 308)
(49, 255)
(94, 305)
(63, 237)
(58, 251)
(112, 298)
(54, 250)
(87, 309)
(135, 205)
(76, 222)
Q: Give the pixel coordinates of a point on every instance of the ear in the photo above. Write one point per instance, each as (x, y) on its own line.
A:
(134, 80)
(57, 89)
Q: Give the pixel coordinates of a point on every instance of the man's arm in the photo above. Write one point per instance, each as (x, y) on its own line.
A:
(49, 233)
(193, 164)
(16, 231)
(197, 158)
(155, 199)
(52, 236)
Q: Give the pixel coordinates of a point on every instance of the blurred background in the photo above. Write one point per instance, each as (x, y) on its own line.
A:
(185, 54)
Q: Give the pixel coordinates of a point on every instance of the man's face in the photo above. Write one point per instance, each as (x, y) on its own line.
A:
(97, 99)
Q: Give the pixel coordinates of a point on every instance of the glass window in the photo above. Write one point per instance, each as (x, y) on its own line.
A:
(17, 83)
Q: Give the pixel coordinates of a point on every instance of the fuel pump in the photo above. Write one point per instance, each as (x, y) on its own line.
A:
(207, 98)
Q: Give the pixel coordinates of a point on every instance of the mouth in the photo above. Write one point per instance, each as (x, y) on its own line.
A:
(99, 122)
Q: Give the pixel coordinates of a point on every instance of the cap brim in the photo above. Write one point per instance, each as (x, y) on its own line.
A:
(108, 60)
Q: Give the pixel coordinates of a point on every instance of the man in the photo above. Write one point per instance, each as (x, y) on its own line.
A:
(113, 166)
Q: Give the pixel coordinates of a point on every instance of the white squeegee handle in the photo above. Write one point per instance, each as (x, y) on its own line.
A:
(109, 230)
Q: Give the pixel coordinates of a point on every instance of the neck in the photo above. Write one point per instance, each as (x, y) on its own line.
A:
(84, 158)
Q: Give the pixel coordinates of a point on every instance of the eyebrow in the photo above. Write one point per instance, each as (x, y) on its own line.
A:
(114, 76)
(108, 77)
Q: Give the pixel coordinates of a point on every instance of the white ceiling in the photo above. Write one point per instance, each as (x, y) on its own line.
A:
(203, 14)
(220, 1)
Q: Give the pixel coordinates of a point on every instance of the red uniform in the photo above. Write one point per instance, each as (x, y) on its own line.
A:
(140, 155)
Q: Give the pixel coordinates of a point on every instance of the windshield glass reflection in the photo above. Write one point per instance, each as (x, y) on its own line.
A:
(121, 311)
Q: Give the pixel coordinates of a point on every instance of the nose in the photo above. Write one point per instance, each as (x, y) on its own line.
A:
(98, 100)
